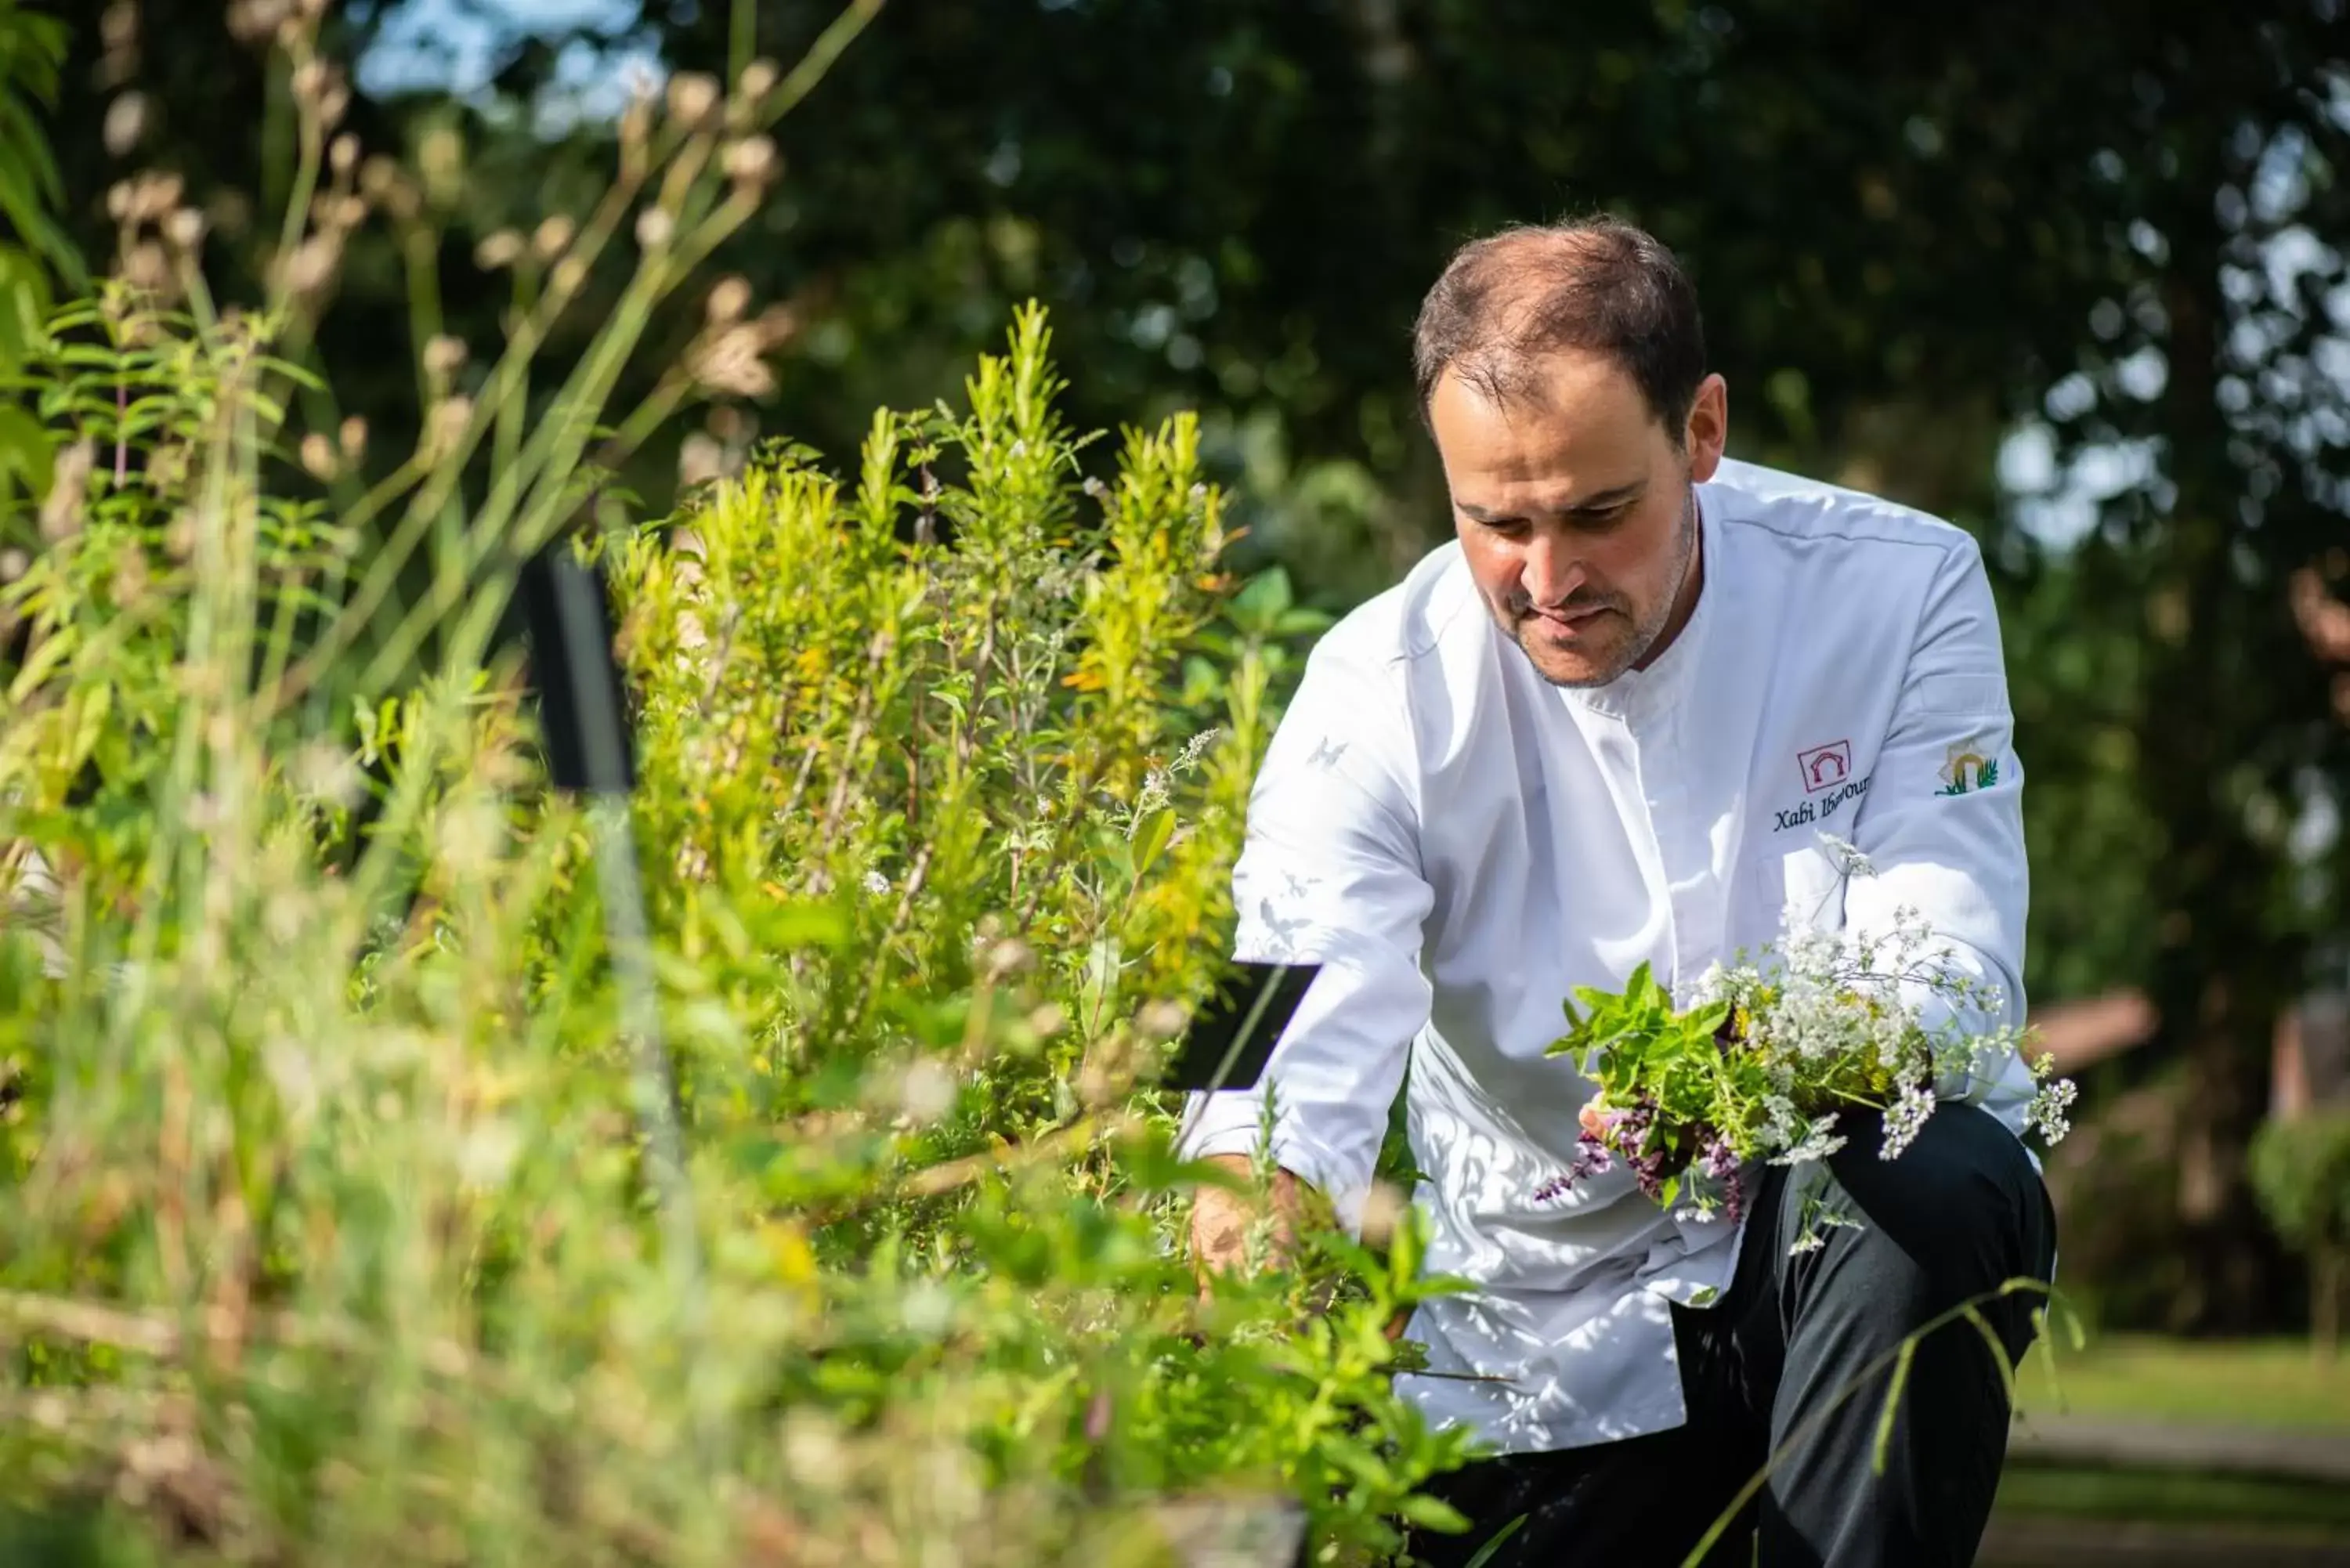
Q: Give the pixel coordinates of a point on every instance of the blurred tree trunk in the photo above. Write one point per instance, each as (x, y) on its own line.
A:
(2202, 987)
(2226, 674)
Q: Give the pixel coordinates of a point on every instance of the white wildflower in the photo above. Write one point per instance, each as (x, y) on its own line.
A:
(1847, 857)
(1820, 1140)
(875, 883)
(1712, 986)
(1816, 1222)
(1892, 1028)
(1194, 749)
(1906, 1117)
(1157, 790)
(2046, 1114)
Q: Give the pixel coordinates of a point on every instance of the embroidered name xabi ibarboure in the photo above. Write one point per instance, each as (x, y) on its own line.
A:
(1823, 807)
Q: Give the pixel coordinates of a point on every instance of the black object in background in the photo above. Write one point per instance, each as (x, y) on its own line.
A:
(1232, 1037)
(591, 752)
(590, 749)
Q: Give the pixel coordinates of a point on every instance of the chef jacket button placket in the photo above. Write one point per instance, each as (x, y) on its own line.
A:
(1678, 850)
(1647, 724)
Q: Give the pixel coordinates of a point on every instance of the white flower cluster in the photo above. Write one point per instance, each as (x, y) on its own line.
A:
(1819, 1140)
(2046, 1114)
(1157, 790)
(1905, 1118)
(1828, 997)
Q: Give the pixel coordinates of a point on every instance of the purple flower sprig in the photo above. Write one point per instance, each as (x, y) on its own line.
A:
(1610, 1133)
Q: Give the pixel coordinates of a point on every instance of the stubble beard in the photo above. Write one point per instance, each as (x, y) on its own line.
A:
(1644, 632)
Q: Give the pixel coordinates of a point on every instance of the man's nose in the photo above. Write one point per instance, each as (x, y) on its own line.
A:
(1551, 572)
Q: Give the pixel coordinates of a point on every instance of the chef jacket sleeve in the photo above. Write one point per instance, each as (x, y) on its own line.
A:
(1329, 874)
(1942, 823)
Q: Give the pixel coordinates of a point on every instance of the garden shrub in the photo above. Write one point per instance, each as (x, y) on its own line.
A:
(2300, 1174)
(330, 1234)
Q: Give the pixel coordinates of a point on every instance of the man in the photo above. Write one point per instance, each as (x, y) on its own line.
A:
(1608, 724)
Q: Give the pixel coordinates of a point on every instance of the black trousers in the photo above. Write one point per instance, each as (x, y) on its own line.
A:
(1955, 1217)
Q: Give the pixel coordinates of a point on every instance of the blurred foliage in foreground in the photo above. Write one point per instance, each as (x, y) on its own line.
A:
(330, 1234)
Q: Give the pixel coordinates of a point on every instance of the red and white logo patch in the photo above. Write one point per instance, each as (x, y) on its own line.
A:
(1825, 767)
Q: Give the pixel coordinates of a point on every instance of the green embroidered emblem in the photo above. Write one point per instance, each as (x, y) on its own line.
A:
(1968, 768)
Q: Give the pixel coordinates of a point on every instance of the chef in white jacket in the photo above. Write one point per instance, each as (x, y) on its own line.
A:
(1613, 722)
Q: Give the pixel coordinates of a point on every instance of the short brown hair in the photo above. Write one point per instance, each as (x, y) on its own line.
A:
(1597, 284)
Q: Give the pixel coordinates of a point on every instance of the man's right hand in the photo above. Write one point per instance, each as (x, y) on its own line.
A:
(1221, 1220)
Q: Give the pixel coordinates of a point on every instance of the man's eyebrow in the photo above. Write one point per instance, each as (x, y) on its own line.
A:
(1600, 501)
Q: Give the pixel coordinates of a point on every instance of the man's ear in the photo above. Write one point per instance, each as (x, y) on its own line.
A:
(1707, 429)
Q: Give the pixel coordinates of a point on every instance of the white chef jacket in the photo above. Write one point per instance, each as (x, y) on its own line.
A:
(1460, 843)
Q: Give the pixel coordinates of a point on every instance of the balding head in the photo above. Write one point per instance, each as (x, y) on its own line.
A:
(1562, 374)
(1510, 301)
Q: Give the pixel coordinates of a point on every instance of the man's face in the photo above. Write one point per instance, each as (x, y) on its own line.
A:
(1575, 513)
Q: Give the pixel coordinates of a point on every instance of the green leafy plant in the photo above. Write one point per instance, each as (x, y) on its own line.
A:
(1768, 1055)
